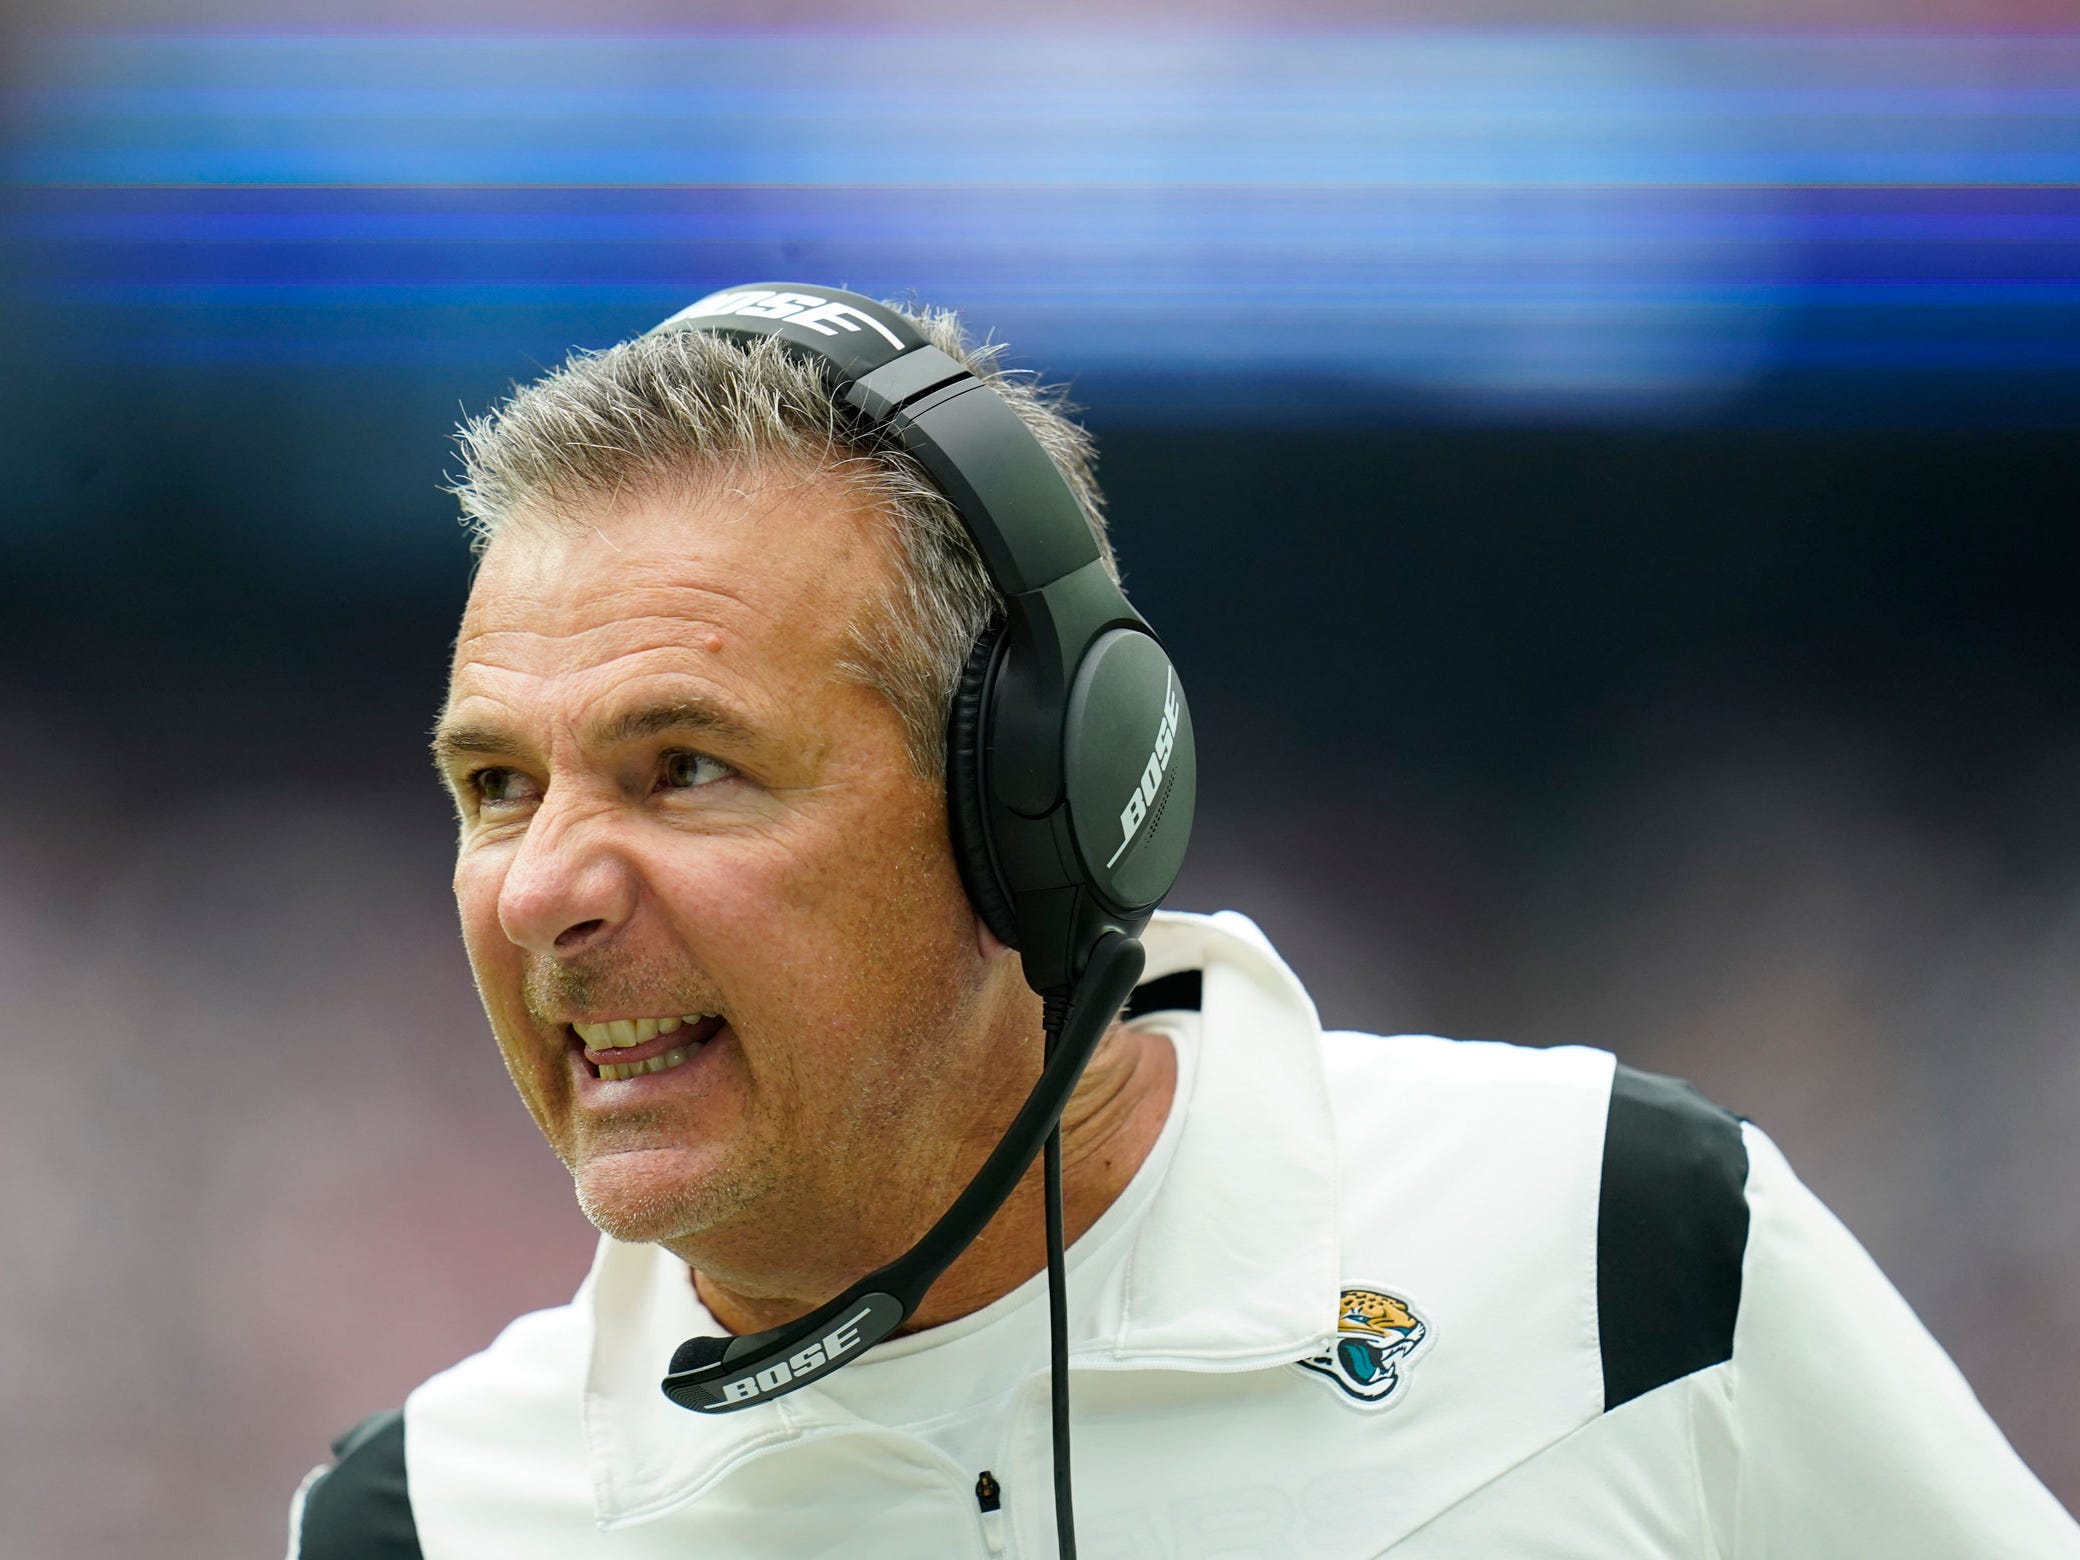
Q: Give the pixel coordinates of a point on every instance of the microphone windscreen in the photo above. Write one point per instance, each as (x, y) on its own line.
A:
(698, 1354)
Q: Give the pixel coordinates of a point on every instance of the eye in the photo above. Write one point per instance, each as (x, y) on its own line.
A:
(498, 787)
(682, 771)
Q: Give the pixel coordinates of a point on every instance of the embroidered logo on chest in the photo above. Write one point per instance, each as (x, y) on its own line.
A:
(1377, 1334)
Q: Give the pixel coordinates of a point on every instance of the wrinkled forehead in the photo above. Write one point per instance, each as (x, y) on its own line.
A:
(754, 583)
(769, 562)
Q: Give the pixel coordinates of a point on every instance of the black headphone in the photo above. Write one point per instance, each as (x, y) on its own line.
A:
(1070, 777)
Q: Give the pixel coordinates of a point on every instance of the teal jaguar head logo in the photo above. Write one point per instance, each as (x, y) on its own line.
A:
(1376, 1333)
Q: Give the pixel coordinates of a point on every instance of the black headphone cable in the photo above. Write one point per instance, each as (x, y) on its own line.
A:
(1058, 1307)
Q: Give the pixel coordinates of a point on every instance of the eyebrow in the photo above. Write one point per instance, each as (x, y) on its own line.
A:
(699, 717)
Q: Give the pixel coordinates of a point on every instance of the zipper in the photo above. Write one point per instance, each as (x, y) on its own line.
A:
(989, 1501)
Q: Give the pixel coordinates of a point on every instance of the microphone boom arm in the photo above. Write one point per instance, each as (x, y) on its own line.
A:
(721, 1375)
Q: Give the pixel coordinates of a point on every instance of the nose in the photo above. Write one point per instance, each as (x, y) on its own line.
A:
(568, 888)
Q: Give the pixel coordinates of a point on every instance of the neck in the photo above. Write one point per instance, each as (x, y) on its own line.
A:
(1111, 1123)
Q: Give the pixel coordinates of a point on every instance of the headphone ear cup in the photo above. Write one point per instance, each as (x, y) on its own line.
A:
(967, 819)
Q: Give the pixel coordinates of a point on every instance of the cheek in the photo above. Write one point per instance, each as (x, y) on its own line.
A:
(498, 966)
(901, 935)
(887, 883)
(842, 914)
(477, 883)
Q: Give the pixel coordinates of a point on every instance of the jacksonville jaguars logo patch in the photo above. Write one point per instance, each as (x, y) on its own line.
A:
(1376, 1335)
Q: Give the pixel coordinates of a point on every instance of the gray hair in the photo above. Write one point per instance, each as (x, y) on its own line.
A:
(691, 406)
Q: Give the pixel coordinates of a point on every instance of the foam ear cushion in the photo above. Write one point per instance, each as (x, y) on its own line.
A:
(699, 1354)
(966, 817)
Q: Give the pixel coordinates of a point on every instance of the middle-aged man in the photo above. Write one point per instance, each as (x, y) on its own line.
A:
(1330, 1295)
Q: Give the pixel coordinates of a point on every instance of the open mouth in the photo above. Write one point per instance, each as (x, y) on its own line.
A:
(619, 1049)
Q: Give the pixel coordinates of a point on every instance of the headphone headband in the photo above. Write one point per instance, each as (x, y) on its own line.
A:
(1024, 520)
(849, 331)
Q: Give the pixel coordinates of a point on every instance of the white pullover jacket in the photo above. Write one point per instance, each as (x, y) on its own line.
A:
(1368, 1296)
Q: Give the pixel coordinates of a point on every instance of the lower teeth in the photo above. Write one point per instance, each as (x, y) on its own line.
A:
(621, 1073)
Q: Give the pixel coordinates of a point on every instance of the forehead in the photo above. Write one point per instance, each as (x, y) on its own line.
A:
(754, 577)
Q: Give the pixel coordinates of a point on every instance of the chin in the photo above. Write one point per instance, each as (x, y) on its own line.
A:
(635, 1198)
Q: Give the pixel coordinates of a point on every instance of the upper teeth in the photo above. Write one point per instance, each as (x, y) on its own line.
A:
(616, 1033)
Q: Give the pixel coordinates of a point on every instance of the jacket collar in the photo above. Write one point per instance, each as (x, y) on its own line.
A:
(1234, 1265)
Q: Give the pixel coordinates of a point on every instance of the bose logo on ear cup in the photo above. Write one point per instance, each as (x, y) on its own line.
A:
(1135, 813)
(825, 316)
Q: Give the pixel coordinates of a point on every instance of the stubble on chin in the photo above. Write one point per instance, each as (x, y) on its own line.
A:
(631, 1198)
(797, 1183)
(820, 1173)
(621, 1166)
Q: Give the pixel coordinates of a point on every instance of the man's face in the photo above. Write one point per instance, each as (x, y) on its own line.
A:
(673, 806)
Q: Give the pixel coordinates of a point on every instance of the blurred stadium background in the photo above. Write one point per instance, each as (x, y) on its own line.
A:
(1611, 482)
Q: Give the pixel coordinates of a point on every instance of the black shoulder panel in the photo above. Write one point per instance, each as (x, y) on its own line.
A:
(1671, 1230)
(361, 1509)
(1166, 994)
